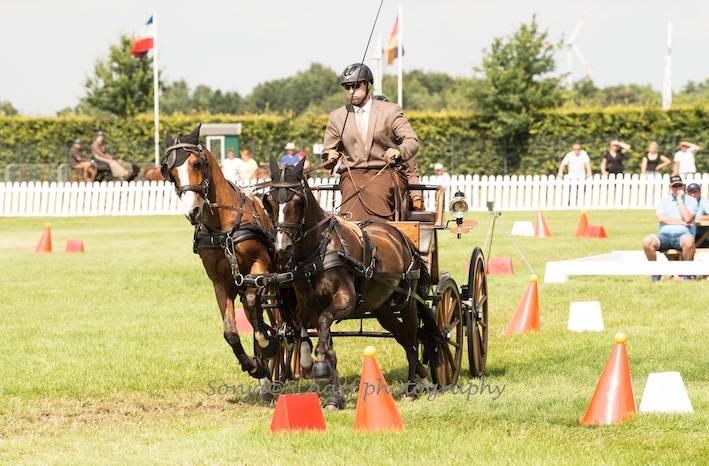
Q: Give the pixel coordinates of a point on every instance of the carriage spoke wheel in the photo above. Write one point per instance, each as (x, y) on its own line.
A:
(476, 323)
(448, 309)
(285, 365)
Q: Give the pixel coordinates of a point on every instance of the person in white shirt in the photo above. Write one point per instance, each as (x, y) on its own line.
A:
(231, 166)
(684, 159)
(578, 162)
(249, 166)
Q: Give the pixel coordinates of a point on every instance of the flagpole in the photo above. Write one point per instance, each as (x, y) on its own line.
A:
(156, 90)
(667, 81)
(400, 56)
(380, 67)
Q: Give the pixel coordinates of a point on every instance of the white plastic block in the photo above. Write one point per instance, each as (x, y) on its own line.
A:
(585, 316)
(665, 393)
(522, 229)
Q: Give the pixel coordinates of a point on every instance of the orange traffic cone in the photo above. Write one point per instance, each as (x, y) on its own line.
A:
(74, 246)
(526, 317)
(242, 322)
(541, 230)
(297, 411)
(613, 401)
(45, 242)
(581, 226)
(595, 231)
(375, 409)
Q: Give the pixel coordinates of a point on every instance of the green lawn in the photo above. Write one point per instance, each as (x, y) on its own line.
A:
(109, 356)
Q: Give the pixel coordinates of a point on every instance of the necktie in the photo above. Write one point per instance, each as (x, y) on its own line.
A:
(360, 124)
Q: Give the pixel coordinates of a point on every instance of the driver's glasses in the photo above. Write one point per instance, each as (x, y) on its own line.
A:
(350, 86)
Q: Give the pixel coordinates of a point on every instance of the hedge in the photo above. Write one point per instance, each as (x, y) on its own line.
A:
(457, 139)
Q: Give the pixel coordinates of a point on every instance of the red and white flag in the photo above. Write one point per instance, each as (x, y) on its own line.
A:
(144, 44)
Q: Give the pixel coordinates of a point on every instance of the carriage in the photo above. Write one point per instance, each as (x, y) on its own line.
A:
(461, 313)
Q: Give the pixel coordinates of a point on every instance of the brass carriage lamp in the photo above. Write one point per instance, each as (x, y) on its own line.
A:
(458, 208)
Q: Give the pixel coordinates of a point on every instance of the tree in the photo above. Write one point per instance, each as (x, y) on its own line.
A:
(122, 85)
(6, 108)
(517, 86)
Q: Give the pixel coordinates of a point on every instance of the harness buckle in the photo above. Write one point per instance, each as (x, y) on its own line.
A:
(368, 273)
(238, 279)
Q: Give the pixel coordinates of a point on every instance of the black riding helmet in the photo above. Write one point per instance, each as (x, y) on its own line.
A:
(356, 72)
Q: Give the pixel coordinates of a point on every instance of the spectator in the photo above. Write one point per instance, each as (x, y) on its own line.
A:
(684, 159)
(614, 158)
(702, 214)
(76, 161)
(303, 154)
(248, 166)
(231, 166)
(289, 158)
(578, 162)
(675, 213)
(653, 162)
(118, 168)
(440, 171)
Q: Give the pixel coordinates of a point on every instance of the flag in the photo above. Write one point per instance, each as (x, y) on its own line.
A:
(142, 45)
(393, 46)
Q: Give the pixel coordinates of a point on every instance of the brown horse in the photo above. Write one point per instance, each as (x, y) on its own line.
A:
(341, 271)
(233, 237)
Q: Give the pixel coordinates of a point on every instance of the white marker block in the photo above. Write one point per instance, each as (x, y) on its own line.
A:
(522, 229)
(665, 393)
(585, 316)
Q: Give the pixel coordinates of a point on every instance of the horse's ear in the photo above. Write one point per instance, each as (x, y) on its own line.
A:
(168, 139)
(299, 167)
(194, 135)
(273, 165)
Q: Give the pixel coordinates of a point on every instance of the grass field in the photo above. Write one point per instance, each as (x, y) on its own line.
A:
(108, 357)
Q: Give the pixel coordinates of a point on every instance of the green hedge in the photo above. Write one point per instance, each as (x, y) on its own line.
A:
(456, 139)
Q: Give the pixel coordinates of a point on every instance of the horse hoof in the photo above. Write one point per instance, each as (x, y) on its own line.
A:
(334, 403)
(411, 397)
(321, 370)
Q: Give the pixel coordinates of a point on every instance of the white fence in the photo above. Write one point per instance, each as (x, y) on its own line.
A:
(510, 193)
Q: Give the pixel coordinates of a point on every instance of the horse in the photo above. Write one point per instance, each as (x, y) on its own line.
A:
(233, 237)
(152, 174)
(342, 271)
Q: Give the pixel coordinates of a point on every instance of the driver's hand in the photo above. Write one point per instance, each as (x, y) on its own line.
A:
(330, 158)
(416, 202)
(391, 154)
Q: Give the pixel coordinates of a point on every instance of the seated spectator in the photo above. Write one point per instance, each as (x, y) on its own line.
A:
(653, 162)
(231, 166)
(118, 168)
(290, 157)
(248, 166)
(440, 171)
(614, 158)
(684, 159)
(77, 163)
(578, 162)
(702, 214)
(675, 213)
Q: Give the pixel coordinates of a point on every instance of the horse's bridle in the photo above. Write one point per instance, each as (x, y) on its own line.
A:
(174, 159)
(282, 192)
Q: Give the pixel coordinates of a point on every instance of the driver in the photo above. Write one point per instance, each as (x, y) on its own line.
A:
(376, 138)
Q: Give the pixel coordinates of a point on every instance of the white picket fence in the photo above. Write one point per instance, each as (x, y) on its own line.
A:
(509, 193)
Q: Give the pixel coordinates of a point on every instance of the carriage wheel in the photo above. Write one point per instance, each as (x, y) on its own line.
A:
(285, 365)
(448, 309)
(476, 322)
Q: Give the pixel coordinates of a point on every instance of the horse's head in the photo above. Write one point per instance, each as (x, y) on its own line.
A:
(287, 204)
(187, 166)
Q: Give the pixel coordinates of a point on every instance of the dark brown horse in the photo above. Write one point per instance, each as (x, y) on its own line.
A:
(341, 272)
(233, 237)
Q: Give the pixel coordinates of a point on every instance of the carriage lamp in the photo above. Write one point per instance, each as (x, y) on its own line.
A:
(458, 208)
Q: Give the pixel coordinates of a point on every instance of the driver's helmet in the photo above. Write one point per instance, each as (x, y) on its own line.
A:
(356, 72)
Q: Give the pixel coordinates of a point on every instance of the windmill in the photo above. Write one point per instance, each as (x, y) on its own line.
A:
(573, 49)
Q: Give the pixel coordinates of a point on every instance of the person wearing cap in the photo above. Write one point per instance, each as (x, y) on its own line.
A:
(100, 152)
(440, 171)
(290, 157)
(675, 213)
(76, 161)
(578, 162)
(684, 159)
(614, 158)
(373, 147)
(702, 214)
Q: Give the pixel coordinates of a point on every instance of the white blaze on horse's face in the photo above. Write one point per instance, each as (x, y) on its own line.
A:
(189, 199)
(282, 239)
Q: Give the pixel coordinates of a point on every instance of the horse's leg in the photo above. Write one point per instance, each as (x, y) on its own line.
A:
(405, 333)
